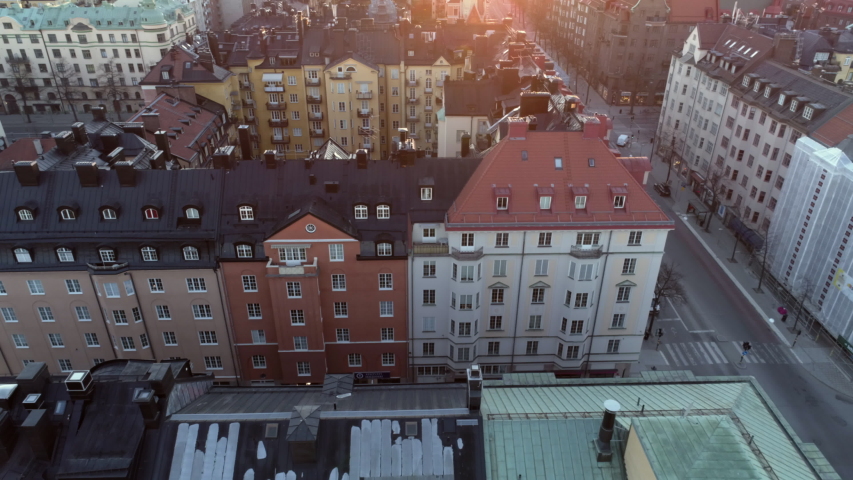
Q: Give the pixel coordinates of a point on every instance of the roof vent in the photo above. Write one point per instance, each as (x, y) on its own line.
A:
(605, 433)
(33, 401)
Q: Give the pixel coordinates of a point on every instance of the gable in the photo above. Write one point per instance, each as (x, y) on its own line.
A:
(298, 228)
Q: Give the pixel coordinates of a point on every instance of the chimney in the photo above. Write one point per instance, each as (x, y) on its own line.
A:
(591, 128)
(475, 387)
(465, 148)
(509, 79)
(532, 124)
(151, 121)
(115, 155)
(532, 103)
(87, 172)
(246, 150)
(337, 42)
(79, 131)
(605, 433)
(37, 431)
(147, 402)
(161, 378)
(46, 134)
(351, 40)
(517, 129)
(342, 21)
(65, 142)
(361, 158)
(223, 157)
(32, 378)
(126, 173)
(37, 145)
(269, 159)
(213, 43)
(158, 160)
(785, 47)
(404, 134)
(99, 114)
(111, 141)
(136, 128)
(162, 139)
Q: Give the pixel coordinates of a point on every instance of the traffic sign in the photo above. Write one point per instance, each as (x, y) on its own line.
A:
(745, 353)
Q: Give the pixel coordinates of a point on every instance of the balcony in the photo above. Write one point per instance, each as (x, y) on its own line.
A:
(364, 112)
(430, 249)
(312, 81)
(340, 75)
(413, 100)
(303, 270)
(236, 105)
(317, 132)
(413, 83)
(17, 60)
(284, 139)
(413, 118)
(439, 83)
(364, 95)
(253, 120)
(620, 32)
(428, 90)
(278, 123)
(246, 85)
(414, 135)
(428, 125)
(586, 251)
(311, 99)
(317, 116)
(365, 131)
(367, 146)
(248, 102)
(276, 106)
(273, 88)
(107, 267)
(465, 256)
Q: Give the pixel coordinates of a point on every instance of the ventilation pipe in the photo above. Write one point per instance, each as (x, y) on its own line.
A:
(605, 433)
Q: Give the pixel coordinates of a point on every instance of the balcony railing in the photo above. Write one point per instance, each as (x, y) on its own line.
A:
(414, 135)
(413, 118)
(427, 124)
(284, 139)
(252, 119)
(430, 249)
(365, 131)
(428, 108)
(315, 116)
(341, 75)
(439, 83)
(413, 100)
(274, 88)
(305, 269)
(314, 99)
(413, 83)
(472, 255)
(364, 112)
(586, 251)
(246, 85)
(276, 106)
(318, 132)
(428, 90)
(247, 102)
(367, 146)
(107, 267)
(364, 95)
(278, 123)
(312, 81)
(13, 59)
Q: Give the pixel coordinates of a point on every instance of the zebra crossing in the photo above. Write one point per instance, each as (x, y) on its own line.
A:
(708, 353)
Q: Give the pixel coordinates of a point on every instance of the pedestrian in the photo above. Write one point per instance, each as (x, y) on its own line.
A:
(620, 111)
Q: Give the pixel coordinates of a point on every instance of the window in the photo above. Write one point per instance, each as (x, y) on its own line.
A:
(297, 317)
(2, 289)
(152, 214)
(213, 363)
(502, 239)
(354, 359)
(386, 281)
(155, 285)
(25, 214)
(342, 334)
(196, 285)
(46, 314)
(82, 313)
(619, 201)
(541, 267)
(577, 327)
(247, 213)
(538, 295)
(20, 341)
(207, 337)
(302, 368)
(545, 202)
(386, 309)
(624, 294)
(384, 249)
(22, 255)
(163, 312)
(613, 346)
(383, 212)
(429, 235)
(544, 239)
(73, 286)
(108, 255)
(499, 268)
(55, 340)
(503, 203)
(497, 296)
(67, 214)
(65, 365)
(388, 359)
(300, 343)
(495, 322)
(361, 212)
(428, 349)
(260, 361)
(36, 287)
(149, 254)
(426, 193)
(120, 317)
(580, 202)
(254, 310)
(634, 238)
(64, 254)
(244, 251)
(467, 273)
(429, 268)
(629, 265)
(143, 340)
(618, 320)
(588, 238)
(292, 254)
(572, 351)
(250, 283)
(341, 310)
(387, 334)
(429, 324)
(202, 312)
(535, 322)
(532, 347)
(9, 315)
(127, 344)
(462, 354)
(336, 252)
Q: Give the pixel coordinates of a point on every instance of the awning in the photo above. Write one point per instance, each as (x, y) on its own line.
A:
(746, 234)
(580, 190)
(545, 190)
(273, 77)
(619, 190)
(697, 177)
(503, 191)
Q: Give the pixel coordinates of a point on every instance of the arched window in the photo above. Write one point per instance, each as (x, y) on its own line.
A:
(190, 253)
(191, 212)
(25, 214)
(383, 212)
(384, 249)
(361, 212)
(108, 214)
(22, 255)
(138, 96)
(67, 214)
(149, 254)
(244, 250)
(64, 254)
(51, 96)
(126, 96)
(152, 214)
(84, 96)
(247, 213)
(107, 255)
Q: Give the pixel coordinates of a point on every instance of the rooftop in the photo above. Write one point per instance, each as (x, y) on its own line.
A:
(66, 15)
(25, 149)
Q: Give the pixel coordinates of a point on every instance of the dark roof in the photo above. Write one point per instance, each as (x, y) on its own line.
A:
(812, 43)
(737, 45)
(177, 59)
(471, 97)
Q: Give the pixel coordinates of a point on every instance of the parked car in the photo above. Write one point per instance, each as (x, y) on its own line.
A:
(663, 189)
(622, 140)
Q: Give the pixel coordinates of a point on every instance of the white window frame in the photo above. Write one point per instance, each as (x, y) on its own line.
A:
(336, 252)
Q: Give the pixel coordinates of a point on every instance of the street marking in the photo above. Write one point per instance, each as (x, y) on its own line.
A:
(676, 314)
(664, 358)
(701, 353)
(677, 356)
(712, 347)
(702, 331)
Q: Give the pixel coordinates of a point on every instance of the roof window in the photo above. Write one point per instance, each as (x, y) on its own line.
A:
(558, 163)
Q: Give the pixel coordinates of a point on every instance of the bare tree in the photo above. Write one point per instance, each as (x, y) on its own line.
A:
(111, 85)
(805, 287)
(21, 83)
(669, 286)
(715, 184)
(65, 86)
(762, 256)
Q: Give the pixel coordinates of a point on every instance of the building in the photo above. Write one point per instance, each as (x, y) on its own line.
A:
(541, 270)
(600, 38)
(61, 56)
(25, 149)
(833, 13)
(813, 261)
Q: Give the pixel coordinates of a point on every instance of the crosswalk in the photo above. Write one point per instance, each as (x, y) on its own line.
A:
(708, 353)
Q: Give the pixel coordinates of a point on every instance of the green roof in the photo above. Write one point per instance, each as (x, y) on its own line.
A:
(106, 17)
(658, 394)
(692, 447)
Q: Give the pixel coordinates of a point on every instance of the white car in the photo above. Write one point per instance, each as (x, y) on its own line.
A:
(622, 140)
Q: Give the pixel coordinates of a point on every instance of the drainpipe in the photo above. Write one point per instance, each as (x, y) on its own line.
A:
(6, 362)
(226, 309)
(104, 317)
(412, 319)
(518, 301)
(597, 304)
(144, 326)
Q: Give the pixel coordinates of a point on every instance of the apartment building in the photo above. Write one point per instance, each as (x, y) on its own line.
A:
(105, 264)
(602, 38)
(546, 260)
(62, 56)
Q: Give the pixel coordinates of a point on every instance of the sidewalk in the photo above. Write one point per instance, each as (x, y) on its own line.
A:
(815, 357)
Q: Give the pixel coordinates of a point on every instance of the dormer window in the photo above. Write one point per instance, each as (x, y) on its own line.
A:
(426, 193)
(767, 92)
(808, 112)
(619, 201)
(383, 212)
(152, 214)
(580, 202)
(545, 202)
(384, 249)
(503, 203)
(247, 213)
(67, 214)
(745, 82)
(64, 254)
(108, 214)
(361, 212)
(558, 163)
(244, 250)
(190, 253)
(149, 254)
(794, 104)
(22, 255)
(108, 255)
(782, 99)
(25, 214)
(192, 213)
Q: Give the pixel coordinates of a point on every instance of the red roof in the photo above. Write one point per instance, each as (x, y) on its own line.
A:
(23, 150)
(836, 128)
(504, 168)
(692, 11)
